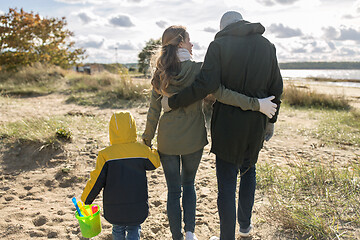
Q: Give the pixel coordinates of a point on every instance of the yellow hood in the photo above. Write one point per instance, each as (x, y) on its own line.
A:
(122, 128)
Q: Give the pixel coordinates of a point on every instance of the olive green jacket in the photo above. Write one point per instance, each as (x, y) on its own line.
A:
(182, 131)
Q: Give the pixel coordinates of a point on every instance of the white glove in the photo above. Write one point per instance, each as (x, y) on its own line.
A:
(267, 107)
(165, 104)
(269, 131)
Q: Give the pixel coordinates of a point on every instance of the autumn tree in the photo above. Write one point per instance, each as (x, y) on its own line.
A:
(144, 57)
(26, 38)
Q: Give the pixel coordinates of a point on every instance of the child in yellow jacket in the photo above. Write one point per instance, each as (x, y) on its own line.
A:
(121, 171)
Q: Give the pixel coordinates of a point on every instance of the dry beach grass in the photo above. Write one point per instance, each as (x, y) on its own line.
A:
(303, 169)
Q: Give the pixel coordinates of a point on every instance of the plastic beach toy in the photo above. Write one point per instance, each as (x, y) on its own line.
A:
(77, 207)
(81, 206)
(94, 209)
(90, 226)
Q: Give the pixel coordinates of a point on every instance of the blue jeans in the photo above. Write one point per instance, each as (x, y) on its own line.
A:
(227, 174)
(126, 232)
(175, 179)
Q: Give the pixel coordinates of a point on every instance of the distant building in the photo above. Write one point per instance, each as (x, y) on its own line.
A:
(89, 68)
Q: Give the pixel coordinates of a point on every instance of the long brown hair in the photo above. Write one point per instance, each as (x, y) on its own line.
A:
(168, 63)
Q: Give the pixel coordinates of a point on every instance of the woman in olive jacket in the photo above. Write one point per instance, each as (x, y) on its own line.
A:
(182, 133)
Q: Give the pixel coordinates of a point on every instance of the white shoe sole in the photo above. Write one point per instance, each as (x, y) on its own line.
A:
(248, 233)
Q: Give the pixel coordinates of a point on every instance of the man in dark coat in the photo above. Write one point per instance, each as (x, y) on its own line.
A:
(242, 60)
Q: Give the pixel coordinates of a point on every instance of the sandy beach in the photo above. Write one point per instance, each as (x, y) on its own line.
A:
(37, 182)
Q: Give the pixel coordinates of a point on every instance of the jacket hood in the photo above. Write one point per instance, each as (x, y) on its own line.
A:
(241, 29)
(185, 77)
(122, 128)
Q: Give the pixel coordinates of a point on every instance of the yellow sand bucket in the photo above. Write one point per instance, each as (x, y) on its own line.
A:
(90, 226)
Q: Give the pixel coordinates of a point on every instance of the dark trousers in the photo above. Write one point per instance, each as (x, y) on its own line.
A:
(180, 172)
(227, 174)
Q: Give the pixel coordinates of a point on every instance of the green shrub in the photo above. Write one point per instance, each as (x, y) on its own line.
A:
(63, 134)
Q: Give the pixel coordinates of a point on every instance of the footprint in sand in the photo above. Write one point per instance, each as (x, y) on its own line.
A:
(58, 220)
(9, 198)
(2, 194)
(36, 234)
(61, 213)
(157, 203)
(50, 184)
(12, 229)
(52, 234)
(40, 220)
(155, 229)
(75, 229)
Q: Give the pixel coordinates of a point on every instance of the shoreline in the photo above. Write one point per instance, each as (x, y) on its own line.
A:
(327, 81)
(342, 77)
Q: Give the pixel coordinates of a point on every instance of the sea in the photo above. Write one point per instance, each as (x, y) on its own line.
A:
(348, 77)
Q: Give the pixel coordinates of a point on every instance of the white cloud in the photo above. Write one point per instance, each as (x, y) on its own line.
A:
(349, 52)
(93, 44)
(307, 49)
(196, 46)
(286, 2)
(342, 34)
(121, 21)
(299, 50)
(352, 12)
(300, 29)
(282, 31)
(98, 2)
(211, 30)
(274, 2)
(85, 20)
(349, 16)
(91, 41)
(99, 56)
(330, 33)
(349, 34)
(331, 45)
(123, 46)
(161, 24)
(318, 50)
(75, 1)
(266, 2)
(85, 17)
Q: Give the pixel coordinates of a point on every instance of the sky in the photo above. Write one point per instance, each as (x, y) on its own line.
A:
(117, 30)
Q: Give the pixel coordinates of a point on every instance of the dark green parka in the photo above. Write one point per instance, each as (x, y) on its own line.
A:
(241, 59)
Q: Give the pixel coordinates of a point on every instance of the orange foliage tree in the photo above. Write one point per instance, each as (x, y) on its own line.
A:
(26, 38)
